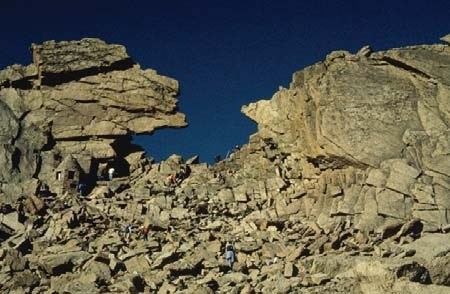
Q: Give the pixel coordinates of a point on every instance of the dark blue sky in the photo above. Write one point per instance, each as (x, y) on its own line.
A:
(224, 53)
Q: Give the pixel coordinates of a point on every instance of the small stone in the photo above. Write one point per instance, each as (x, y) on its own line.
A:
(289, 270)
(319, 278)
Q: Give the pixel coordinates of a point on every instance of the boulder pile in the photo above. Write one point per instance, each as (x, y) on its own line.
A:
(345, 188)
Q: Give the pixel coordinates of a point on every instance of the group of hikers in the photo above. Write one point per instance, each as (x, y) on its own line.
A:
(143, 232)
(172, 180)
(175, 179)
(104, 174)
(82, 187)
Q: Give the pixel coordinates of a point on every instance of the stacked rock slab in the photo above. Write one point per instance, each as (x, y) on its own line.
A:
(82, 98)
(374, 129)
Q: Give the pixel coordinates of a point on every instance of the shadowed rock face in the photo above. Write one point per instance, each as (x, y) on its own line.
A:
(78, 98)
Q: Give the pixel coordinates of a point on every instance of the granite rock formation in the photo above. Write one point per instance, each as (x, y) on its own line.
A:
(343, 189)
(83, 99)
(375, 126)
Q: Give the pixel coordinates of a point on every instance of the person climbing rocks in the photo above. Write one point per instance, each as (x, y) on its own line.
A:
(43, 189)
(81, 188)
(128, 229)
(111, 173)
(230, 153)
(229, 254)
(220, 178)
(144, 232)
(101, 174)
(181, 175)
(172, 179)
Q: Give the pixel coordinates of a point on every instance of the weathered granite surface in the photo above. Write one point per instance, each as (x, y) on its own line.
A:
(83, 98)
(343, 189)
(382, 116)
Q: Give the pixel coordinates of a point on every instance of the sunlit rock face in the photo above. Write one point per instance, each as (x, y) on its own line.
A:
(361, 107)
(384, 116)
(84, 98)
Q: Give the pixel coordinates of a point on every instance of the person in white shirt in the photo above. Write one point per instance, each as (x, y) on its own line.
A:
(111, 173)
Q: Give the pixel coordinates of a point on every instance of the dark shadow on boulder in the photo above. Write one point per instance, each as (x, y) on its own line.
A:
(23, 84)
(333, 162)
(414, 272)
(63, 268)
(5, 233)
(138, 283)
(191, 271)
(54, 79)
(213, 285)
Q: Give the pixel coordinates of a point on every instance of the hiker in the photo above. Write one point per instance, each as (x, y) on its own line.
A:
(220, 178)
(183, 174)
(43, 190)
(231, 152)
(101, 174)
(144, 232)
(111, 173)
(172, 179)
(81, 188)
(229, 254)
(128, 229)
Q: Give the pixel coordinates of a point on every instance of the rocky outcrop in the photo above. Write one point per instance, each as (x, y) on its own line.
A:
(374, 129)
(343, 189)
(82, 98)
(78, 244)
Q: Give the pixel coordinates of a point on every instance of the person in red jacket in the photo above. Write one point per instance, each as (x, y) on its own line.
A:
(144, 232)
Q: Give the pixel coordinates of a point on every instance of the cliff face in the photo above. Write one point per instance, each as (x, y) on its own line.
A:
(362, 108)
(84, 98)
(384, 116)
